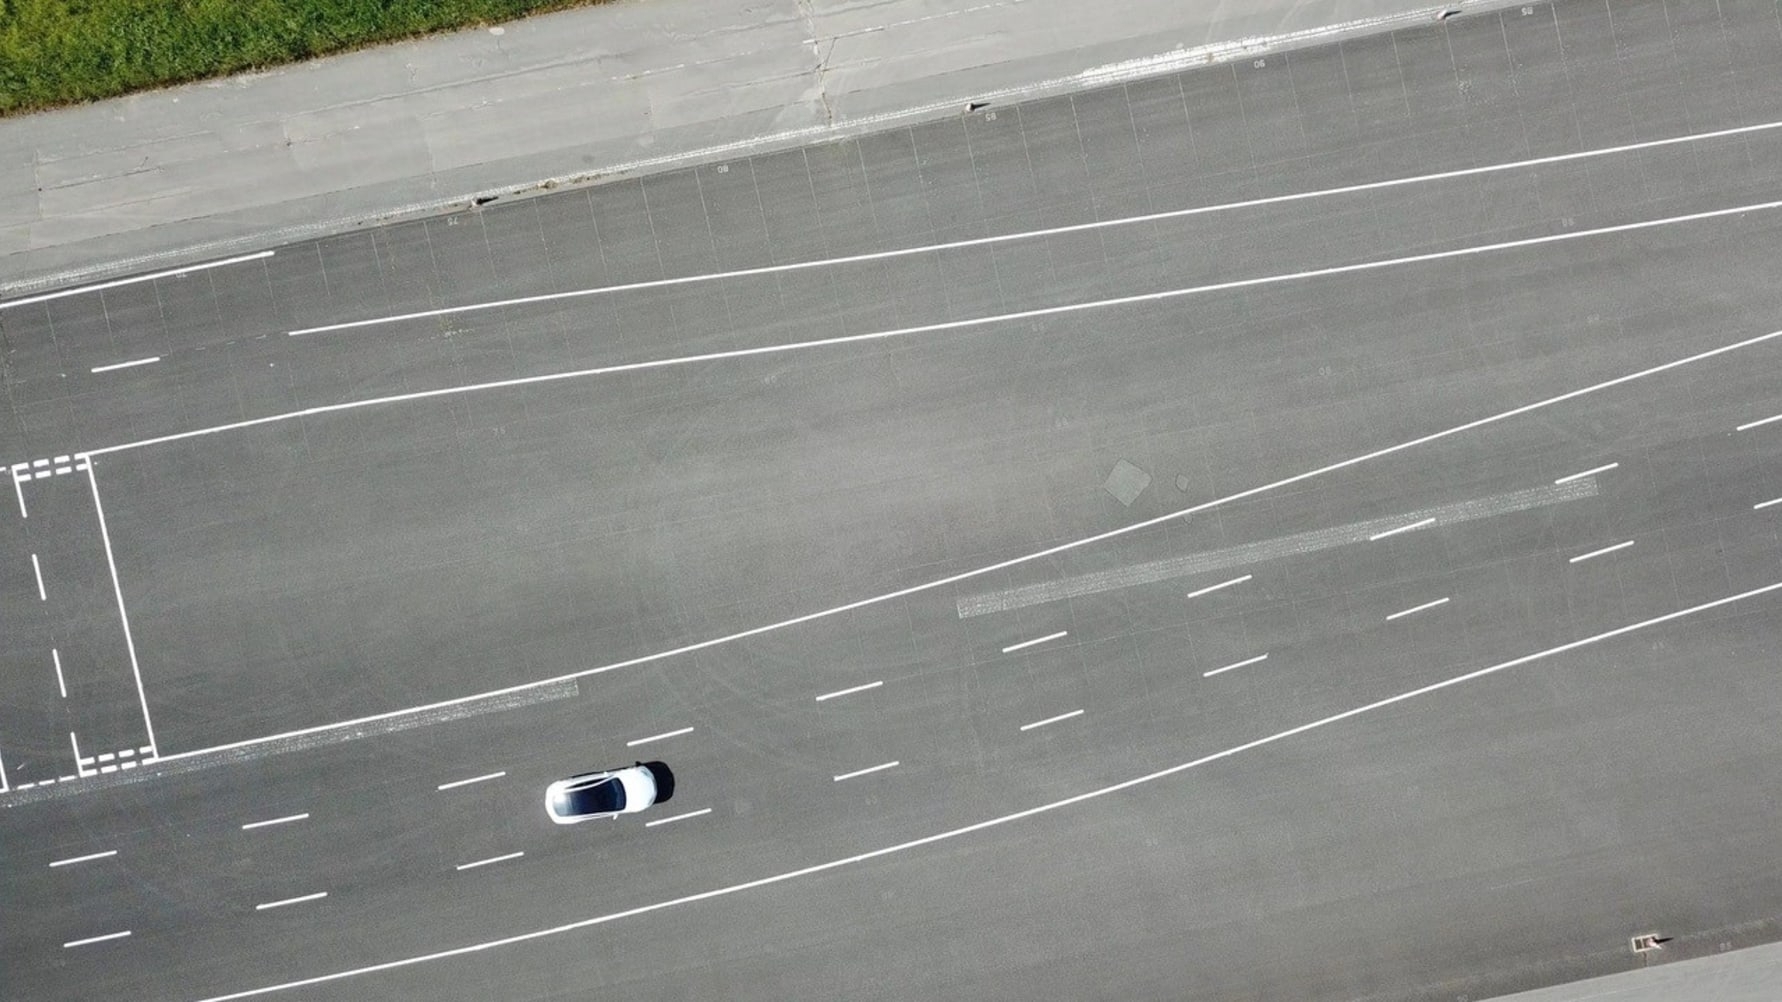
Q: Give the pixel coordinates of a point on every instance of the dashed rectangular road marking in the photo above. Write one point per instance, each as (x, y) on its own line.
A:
(291, 901)
(862, 772)
(1012, 648)
(1240, 664)
(659, 737)
(677, 817)
(474, 779)
(84, 859)
(849, 692)
(1051, 720)
(1598, 553)
(95, 939)
(275, 821)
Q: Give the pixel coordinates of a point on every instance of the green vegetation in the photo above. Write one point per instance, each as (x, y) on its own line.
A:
(56, 52)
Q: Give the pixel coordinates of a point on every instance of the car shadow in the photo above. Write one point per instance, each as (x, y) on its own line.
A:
(664, 780)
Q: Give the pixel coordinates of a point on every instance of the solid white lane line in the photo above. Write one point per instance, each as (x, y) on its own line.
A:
(117, 590)
(61, 684)
(80, 764)
(133, 363)
(1051, 720)
(849, 692)
(1766, 504)
(492, 859)
(1598, 553)
(659, 737)
(677, 817)
(1416, 608)
(1747, 426)
(275, 821)
(37, 571)
(949, 325)
(1213, 588)
(95, 939)
(1240, 664)
(1403, 528)
(83, 859)
(45, 297)
(290, 901)
(862, 772)
(1037, 640)
(466, 782)
(18, 487)
(1054, 231)
(987, 569)
(995, 822)
(1586, 473)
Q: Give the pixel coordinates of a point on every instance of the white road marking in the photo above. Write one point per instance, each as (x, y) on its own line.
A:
(18, 487)
(995, 822)
(1038, 640)
(37, 570)
(80, 764)
(948, 325)
(1051, 720)
(128, 765)
(466, 782)
(678, 817)
(862, 772)
(1041, 233)
(40, 462)
(1766, 504)
(83, 859)
(170, 273)
(1403, 528)
(133, 363)
(1586, 473)
(287, 819)
(492, 859)
(96, 939)
(290, 901)
(127, 753)
(107, 756)
(1017, 561)
(63, 459)
(849, 692)
(1747, 426)
(68, 779)
(56, 656)
(1213, 588)
(108, 768)
(1598, 553)
(1240, 664)
(117, 590)
(1416, 608)
(658, 737)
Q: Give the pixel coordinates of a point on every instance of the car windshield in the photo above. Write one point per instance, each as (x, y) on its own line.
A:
(603, 797)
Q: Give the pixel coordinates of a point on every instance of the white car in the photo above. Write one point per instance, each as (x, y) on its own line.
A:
(601, 794)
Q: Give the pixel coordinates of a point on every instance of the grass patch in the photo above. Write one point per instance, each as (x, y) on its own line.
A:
(56, 52)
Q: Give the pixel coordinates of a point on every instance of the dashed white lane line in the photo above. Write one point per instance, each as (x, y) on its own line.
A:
(1051, 720)
(133, 363)
(95, 939)
(850, 692)
(83, 859)
(61, 683)
(492, 859)
(1586, 473)
(1240, 664)
(290, 901)
(1209, 589)
(287, 819)
(107, 756)
(1598, 553)
(729, 890)
(658, 737)
(1403, 528)
(677, 817)
(1747, 426)
(466, 782)
(1761, 505)
(170, 273)
(934, 584)
(938, 248)
(1037, 640)
(862, 772)
(1416, 608)
(37, 570)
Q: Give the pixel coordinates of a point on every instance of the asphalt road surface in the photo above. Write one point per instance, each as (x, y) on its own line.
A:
(1302, 529)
